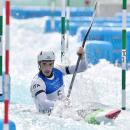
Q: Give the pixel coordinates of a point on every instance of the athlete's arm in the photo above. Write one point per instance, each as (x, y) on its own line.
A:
(39, 94)
(70, 69)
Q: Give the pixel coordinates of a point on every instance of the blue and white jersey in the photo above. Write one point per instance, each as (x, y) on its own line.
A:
(54, 86)
(45, 91)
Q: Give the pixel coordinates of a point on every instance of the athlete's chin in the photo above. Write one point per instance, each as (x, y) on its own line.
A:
(47, 74)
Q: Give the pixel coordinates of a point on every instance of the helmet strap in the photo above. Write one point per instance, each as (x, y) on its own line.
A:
(39, 66)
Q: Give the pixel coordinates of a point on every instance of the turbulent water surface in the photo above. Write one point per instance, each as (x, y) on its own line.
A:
(100, 83)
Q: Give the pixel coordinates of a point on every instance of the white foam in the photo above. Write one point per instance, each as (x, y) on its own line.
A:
(100, 83)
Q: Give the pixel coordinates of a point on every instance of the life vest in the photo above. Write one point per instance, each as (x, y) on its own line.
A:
(53, 84)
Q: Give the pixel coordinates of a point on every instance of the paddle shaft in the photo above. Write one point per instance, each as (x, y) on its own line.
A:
(79, 58)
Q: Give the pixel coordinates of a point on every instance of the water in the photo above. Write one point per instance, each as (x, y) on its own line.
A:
(100, 83)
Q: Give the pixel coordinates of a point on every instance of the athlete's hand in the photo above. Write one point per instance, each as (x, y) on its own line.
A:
(67, 103)
(80, 52)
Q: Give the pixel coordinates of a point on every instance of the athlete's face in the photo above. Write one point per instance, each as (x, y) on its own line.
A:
(46, 67)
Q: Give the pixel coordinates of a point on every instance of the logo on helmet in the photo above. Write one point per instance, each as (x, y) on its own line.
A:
(48, 58)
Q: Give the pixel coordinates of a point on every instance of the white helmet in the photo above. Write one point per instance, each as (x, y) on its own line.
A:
(46, 56)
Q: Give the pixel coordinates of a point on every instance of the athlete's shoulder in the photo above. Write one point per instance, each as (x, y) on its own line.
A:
(59, 68)
(63, 69)
(37, 84)
(37, 79)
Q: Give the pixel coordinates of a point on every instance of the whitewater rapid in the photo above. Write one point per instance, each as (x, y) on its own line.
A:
(100, 83)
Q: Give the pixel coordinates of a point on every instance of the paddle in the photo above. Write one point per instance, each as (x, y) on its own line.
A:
(79, 58)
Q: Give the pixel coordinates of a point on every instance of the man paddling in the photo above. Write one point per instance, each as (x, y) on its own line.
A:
(48, 86)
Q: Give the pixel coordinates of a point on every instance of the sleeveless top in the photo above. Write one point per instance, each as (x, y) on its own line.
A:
(53, 84)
